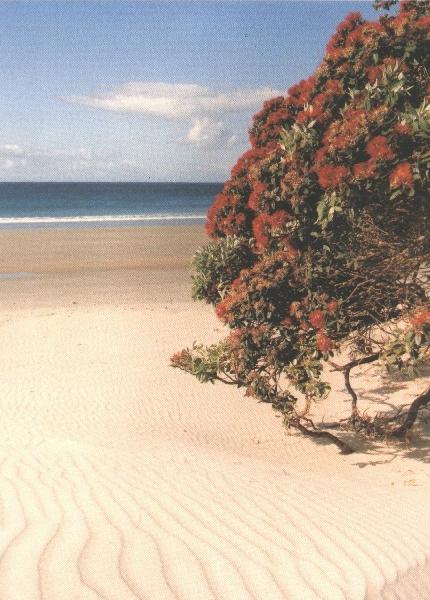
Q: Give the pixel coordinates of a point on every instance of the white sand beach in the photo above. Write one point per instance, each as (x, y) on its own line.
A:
(122, 478)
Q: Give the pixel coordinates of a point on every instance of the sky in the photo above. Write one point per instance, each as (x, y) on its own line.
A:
(147, 91)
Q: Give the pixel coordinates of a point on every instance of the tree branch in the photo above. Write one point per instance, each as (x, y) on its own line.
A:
(412, 414)
(315, 432)
(346, 369)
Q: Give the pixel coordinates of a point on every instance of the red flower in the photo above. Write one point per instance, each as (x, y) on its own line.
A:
(286, 322)
(423, 22)
(399, 23)
(257, 191)
(223, 308)
(350, 22)
(332, 306)
(278, 219)
(278, 116)
(317, 319)
(402, 129)
(324, 343)
(364, 170)
(232, 223)
(402, 175)
(330, 176)
(313, 112)
(264, 224)
(373, 73)
(299, 94)
(321, 154)
(355, 37)
(294, 308)
(420, 318)
(334, 54)
(406, 5)
(179, 358)
(246, 160)
(379, 149)
(333, 86)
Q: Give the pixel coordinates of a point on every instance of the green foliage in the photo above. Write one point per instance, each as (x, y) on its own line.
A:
(206, 363)
(216, 265)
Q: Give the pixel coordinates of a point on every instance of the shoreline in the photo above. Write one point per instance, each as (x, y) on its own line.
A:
(49, 268)
(41, 250)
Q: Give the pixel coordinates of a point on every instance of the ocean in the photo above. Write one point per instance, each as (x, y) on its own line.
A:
(29, 205)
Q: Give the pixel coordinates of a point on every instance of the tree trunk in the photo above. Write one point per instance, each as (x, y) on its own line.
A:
(412, 414)
(346, 369)
(344, 447)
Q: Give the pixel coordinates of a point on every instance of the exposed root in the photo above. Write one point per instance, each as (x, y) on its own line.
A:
(412, 414)
(383, 425)
(307, 427)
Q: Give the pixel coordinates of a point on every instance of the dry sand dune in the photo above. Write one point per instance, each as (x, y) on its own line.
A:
(122, 478)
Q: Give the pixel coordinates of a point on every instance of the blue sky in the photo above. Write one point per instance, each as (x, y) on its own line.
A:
(138, 91)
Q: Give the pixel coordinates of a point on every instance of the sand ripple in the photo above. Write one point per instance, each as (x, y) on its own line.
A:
(121, 478)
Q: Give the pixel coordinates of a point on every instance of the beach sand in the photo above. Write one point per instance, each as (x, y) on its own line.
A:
(122, 478)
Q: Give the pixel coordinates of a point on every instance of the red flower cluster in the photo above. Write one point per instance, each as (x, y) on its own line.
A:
(268, 123)
(180, 357)
(247, 159)
(323, 342)
(423, 23)
(257, 191)
(420, 318)
(402, 129)
(332, 306)
(378, 148)
(375, 72)
(312, 112)
(221, 216)
(264, 225)
(402, 175)
(331, 176)
(317, 319)
(335, 47)
(223, 308)
(343, 133)
(364, 170)
(299, 94)
(345, 130)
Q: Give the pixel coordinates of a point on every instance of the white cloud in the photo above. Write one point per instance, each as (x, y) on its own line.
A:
(11, 150)
(208, 132)
(175, 100)
(204, 110)
(83, 160)
(7, 164)
(11, 157)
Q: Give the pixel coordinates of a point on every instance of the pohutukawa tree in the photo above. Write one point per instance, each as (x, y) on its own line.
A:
(321, 236)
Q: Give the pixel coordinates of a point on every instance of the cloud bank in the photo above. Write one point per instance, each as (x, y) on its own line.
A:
(204, 109)
(18, 161)
(207, 132)
(175, 100)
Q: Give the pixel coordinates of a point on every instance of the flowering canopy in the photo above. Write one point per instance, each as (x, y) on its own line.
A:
(332, 202)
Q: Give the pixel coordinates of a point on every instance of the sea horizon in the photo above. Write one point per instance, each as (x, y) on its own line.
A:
(104, 203)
